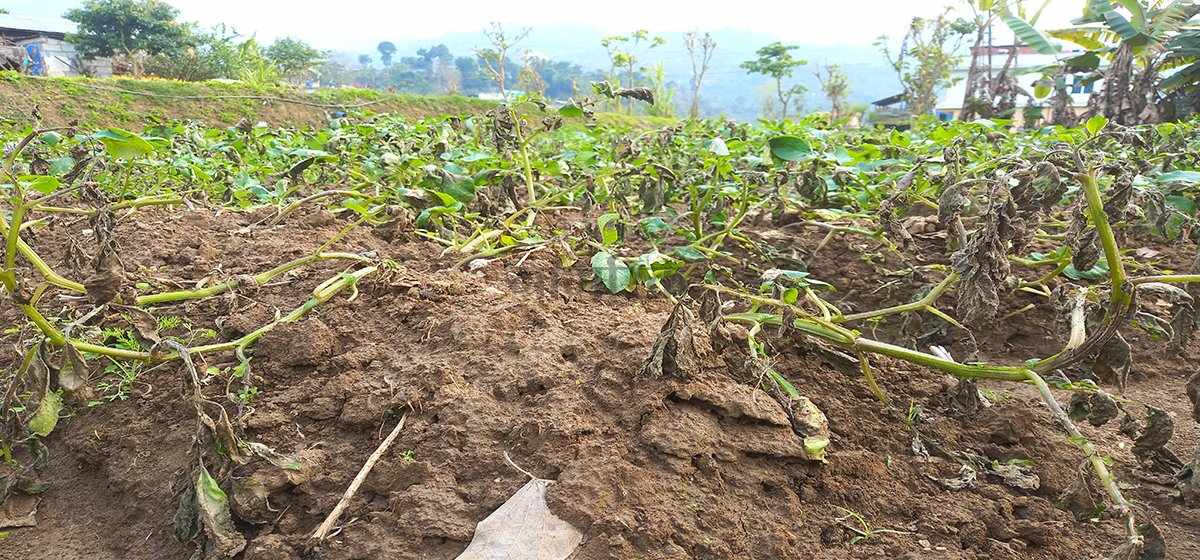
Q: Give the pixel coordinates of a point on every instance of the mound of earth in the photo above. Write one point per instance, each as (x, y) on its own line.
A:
(523, 358)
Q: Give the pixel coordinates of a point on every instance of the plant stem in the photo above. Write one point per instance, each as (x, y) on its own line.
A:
(1112, 253)
(156, 200)
(1167, 279)
(1107, 480)
(851, 341)
(260, 280)
(924, 303)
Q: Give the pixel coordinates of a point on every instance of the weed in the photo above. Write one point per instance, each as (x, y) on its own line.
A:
(863, 531)
(408, 457)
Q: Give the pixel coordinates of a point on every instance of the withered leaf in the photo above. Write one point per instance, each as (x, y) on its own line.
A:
(1017, 476)
(680, 345)
(224, 541)
(965, 479)
(1114, 361)
(1192, 388)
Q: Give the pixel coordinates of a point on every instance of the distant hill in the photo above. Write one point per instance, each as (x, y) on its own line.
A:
(728, 90)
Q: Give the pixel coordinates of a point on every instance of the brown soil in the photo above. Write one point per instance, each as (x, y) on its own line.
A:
(518, 358)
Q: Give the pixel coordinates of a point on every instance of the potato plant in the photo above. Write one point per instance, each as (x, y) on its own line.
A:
(1054, 212)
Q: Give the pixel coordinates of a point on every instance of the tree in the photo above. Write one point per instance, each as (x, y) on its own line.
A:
(927, 58)
(529, 78)
(448, 79)
(623, 52)
(364, 60)
(836, 86)
(130, 28)
(495, 59)
(700, 50)
(293, 57)
(253, 67)
(776, 61)
(205, 55)
(386, 50)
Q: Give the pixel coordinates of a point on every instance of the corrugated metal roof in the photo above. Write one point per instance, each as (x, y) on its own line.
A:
(45, 25)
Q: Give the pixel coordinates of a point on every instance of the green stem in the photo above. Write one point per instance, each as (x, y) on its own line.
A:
(156, 200)
(1107, 480)
(924, 303)
(1112, 253)
(1167, 279)
(851, 341)
(260, 280)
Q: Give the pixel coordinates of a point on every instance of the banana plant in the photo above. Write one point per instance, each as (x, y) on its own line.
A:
(1142, 41)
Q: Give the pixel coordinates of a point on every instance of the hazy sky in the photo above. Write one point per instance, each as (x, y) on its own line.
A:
(358, 25)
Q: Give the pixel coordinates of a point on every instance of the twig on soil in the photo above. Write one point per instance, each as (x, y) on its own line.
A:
(510, 462)
(331, 519)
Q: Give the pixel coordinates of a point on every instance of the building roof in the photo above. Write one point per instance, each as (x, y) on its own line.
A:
(49, 26)
(890, 100)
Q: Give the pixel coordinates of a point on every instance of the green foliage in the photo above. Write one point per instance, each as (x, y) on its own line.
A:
(836, 87)
(789, 148)
(927, 57)
(776, 62)
(125, 27)
(294, 58)
(386, 51)
(46, 417)
(611, 271)
(1030, 36)
(254, 67)
(123, 144)
(625, 52)
(206, 55)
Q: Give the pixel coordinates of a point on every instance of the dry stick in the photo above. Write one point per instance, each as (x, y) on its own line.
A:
(351, 490)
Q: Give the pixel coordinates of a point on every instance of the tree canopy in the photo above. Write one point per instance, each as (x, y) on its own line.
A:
(109, 27)
(293, 57)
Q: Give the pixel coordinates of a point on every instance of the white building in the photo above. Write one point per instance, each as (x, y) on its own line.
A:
(1026, 69)
(38, 46)
(508, 97)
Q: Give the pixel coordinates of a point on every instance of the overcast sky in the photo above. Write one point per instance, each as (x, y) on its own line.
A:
(358, 25)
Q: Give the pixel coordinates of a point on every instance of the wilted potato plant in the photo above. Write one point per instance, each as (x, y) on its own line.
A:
(674, 211)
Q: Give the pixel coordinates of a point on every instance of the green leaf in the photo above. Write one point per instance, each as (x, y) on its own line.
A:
(717, 146)
(1095, 124)
(50, 138)
(1183, 77)
(1122, 27)
(653, 228)
(687, 253)
(1175, 223)
(123, 144)
(571, 110)
(462, 191)
(1041, 89)
(310, 153)
(46, 418)
(62, 165)
(1097, 272)
(1028, 35)
(608, 231)
(358, 205)
(213, 503)
(789, 148)
(44, 184)
(1178, 176)
(613, 272)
